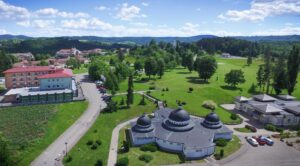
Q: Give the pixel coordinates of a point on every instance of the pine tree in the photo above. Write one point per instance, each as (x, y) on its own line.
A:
(249, 60)
(130, 91)
(293, 68)
(279, 72)
(267, 68)
(259, 77)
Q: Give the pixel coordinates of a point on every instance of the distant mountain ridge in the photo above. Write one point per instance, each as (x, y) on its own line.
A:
(145, 40)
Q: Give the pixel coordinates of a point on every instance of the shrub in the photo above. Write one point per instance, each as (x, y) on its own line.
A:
(98, 142)
(68, 159)
(122, 102)
(209, 105)
(233, 116)
(152, 87)
(221, 142)
(149, 147)
(89, 142)
(122, 161)
(252, 128)
(183, 103)
(167, 89)
(95, 131)
(217, 156)
(94, 146)
(285, 134)
(99, 163)
(125, 146)
(191, 89)
(145, 157)
(222, 153)
(163, 89)
(278, 129)
(270, 127)
(143, 102)
(298, 133)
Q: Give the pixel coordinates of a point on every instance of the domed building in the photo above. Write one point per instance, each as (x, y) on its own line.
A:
(177, 131)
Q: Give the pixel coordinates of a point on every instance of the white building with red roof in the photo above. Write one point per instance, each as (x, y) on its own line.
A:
(39, 84)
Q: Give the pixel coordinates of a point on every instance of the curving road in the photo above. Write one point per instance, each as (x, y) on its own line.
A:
(73, 134)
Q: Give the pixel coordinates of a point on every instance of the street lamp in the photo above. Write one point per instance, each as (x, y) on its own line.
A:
(66, 143)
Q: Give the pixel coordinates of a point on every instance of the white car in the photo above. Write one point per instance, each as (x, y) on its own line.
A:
(252, 141)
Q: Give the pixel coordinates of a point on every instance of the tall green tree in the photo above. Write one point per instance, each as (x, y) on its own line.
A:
(97, 68)
(160, 67)
(249, 60)
(206, 67)
(129, 99)
(43, 63)
(267, 68)
(150, 67)
(138, 65)
(260, 77)
(190, 61)
(121, 55)
(234, 77)
(293, 68)
(279, 76)
(73, 62)
(6, 62)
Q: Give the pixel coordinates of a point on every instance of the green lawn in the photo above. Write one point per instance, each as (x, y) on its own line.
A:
(81, 70)
(243, 130)
(159, 157)
(180, 79)
(231, 146)
(30, 129)
(101, 130)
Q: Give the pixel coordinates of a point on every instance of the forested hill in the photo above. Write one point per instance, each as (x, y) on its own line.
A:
(145, 40)
(51, 45)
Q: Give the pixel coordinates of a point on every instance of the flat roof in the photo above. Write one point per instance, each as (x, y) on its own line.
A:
(35, 91)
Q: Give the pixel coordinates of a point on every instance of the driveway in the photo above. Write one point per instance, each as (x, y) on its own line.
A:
(73, 134)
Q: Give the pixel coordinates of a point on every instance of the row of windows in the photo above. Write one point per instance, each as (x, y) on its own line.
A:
(28, 74)
(23, 79)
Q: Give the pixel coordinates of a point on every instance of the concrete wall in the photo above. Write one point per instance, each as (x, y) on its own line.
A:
(169, 146)
(56, 83)
(142, 141)
(53, 98)
(198, 153)
(227, 136)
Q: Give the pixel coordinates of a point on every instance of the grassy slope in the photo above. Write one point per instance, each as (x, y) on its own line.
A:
(231, 146)
(106, 122)
(32, 128)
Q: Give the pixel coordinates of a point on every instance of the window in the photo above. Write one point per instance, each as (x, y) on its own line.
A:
(57, 85)
(48, 86)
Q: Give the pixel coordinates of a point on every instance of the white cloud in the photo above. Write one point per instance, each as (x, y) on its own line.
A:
(51, 12)
(38, 23)
(3, 31)
(8, 11)
(287, 30)
(140, 24)
(102, 8)
(127, 13)
(145, 4)
(260, 9)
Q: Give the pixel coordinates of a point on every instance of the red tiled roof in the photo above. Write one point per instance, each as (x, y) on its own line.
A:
(63, 73)
(29, 69)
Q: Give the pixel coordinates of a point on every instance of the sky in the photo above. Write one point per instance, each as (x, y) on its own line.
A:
(118, 18)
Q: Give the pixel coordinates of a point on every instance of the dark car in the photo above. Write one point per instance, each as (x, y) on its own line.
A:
(260, 141)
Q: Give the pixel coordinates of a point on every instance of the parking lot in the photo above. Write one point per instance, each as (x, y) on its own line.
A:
(277, 155)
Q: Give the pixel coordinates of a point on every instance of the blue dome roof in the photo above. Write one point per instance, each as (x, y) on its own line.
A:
(212, 117)
(179, 115)
(144, 120)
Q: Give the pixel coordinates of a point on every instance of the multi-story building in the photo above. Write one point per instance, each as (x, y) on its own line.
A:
(65, 53)
(27, 76)
(35, 84)
(283, 110)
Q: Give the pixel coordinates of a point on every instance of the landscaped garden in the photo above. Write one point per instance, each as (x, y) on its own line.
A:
(84, 154)
(31, 129)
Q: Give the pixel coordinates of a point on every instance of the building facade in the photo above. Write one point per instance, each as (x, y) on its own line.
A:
(48, 85)
(283, 110)
(175, 131)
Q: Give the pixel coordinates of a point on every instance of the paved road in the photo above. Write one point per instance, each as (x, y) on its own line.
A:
(73, 134)
(113, 150)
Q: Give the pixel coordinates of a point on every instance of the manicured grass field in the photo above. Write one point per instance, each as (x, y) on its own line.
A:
(81, 70)
(159, 157)
(30, 129)
(179, 80)
(231, 146)
(243, 130)
(82, 154)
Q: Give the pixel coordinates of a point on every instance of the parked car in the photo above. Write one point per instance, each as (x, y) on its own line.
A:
(252, 141)
(268, 140)
(259, 140)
